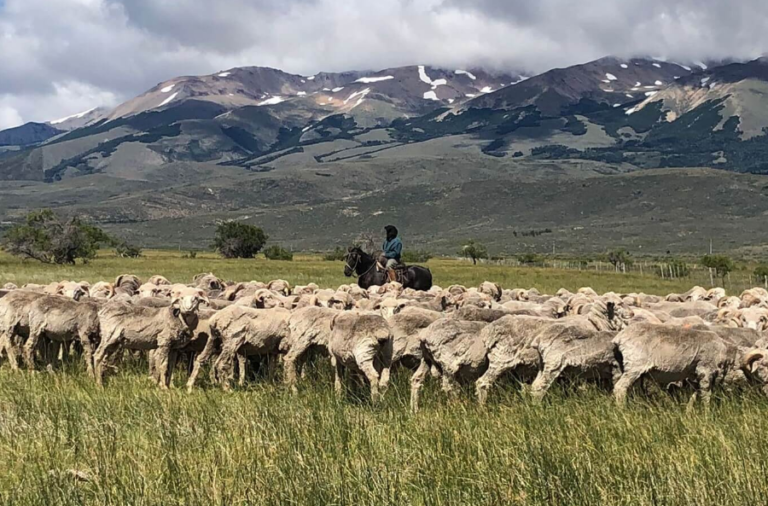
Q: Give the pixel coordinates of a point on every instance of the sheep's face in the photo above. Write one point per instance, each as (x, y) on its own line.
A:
(756, 365)
(74, 291)
(149, 290)
(754, 318)
(187, 301)
(390, 307)
(102, 290)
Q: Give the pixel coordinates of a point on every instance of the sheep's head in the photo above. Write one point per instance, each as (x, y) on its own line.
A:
(158, 280)
(558, 307)
(266, 299)
(340, 301)
(729, 317)
(281, 286)
(729, 302)
(391, 306)
(754, 318)
(491, 289)
(128, 282)
(188, 300)
(715, 294)
(755, 364)
(72, 290)
(102, 290)
(149, 290)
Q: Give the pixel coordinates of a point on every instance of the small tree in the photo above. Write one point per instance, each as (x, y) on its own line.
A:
(474, 251)
(416, 256)
(125, 250)
(721, 264)
(48, 239)
(276, 252)
(334, 256)
(620, 258)
(529, 258)
(761, 272)
(238, 240)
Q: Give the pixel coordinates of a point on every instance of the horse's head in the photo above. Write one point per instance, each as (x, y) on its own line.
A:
(352, 260)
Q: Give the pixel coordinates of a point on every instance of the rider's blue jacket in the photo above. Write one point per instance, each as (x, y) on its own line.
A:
(393, 248)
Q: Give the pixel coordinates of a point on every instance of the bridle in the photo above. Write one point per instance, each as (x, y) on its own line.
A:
(357, 262)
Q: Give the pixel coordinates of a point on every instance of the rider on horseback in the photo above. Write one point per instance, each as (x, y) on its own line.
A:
(392, 250)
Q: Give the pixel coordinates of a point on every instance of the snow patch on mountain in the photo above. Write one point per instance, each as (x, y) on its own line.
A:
(610, 77)
(74, 116)
(701, 64)
(168, 89)
(624, 66)
(169, 99)
(423, 75)
(368, 80)
(360, 94)
(336, 90)
(225, 74)
(272, 101)
(487, 89)
(431, 95)
(659, 83)
(657, 65)
(468, 74)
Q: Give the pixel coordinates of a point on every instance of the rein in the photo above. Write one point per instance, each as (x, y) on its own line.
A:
(357, 262)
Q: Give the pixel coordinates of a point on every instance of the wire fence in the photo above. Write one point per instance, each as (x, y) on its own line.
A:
(697, 274)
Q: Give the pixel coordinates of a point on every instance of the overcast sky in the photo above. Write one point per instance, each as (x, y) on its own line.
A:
(60, 57)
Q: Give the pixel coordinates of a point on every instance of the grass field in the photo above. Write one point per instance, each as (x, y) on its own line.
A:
(136, 445)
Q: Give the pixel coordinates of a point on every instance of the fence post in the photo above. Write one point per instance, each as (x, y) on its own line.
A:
(711, 279)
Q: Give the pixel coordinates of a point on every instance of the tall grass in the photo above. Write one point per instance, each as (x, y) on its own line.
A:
(262, 445)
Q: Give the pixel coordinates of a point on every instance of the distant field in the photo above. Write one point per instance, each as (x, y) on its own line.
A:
(135, 445)
(306, 269)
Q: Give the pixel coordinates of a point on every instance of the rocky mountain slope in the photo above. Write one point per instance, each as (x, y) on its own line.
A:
(449, 154)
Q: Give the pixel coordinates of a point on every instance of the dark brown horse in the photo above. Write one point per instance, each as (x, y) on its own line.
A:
(360, 263)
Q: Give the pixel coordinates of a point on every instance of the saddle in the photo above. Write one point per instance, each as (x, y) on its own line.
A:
(398, 273)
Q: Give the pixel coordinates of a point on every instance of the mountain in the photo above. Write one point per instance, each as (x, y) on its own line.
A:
(27, 134)
(614, 152)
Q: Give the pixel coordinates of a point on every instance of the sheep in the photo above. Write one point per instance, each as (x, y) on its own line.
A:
(455, 348)
(405, 327)
(102, 290)
(309, 327)
(127, 284)
(359, 342)
(158, 280)
(62, 320)
(243, 331)
(208, 282)
(9, 287)
(674, 354)
(14, 322)
(491, 289)
(126, 326)
(281, 286)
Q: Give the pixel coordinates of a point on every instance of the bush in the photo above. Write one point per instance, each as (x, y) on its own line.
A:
(239, 240)
(761, 272)
(474, 251)
(619, 258)
(529, 258)
(190, 254)
(125, 250)
(721, 264)
(48, 239)
(276, 252)
(336, 255)
(416, 256)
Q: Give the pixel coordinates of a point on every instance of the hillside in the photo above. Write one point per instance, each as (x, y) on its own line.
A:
(571, 157)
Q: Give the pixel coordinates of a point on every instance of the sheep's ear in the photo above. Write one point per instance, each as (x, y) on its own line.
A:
(611, 310)
(119, 280)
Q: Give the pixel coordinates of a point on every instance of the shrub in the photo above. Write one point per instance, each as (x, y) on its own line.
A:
(416, 256)
(761, 272)
(529, 258)
(190, 254)
(619, 258)
(276, 252)
(239, 240)
(474, 251)
(675, 268)
(336, 255)
(125, 250)
(721, 264)
(47, 238)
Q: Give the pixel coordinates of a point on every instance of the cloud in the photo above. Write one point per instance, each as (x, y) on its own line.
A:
(100, 52)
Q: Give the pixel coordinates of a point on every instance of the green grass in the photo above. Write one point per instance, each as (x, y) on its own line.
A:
(305, 269)
(262, 445)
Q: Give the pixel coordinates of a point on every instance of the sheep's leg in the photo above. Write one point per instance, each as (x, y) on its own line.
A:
(296, 353)
(622, 386)
(338, 370)
(29, 348)
(225, 367)
(417, 381)
(103, 354)
(161, 358)
(449, 384)
(372, 375)
(85, 342)
(173, 357)
(12, 348)
(384, 379)
(152, 367)
(200, 361)
(706, 380)
(543, 381)
(242, 369)
(54, 351)
(486, 381)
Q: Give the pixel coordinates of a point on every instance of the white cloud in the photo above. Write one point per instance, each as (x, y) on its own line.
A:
(114, 49)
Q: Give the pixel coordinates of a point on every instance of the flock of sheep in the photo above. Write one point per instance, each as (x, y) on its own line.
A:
(700, 338)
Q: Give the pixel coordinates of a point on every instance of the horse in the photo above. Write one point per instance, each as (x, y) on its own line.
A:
(369, 274)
